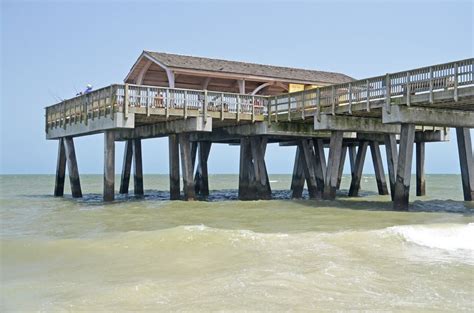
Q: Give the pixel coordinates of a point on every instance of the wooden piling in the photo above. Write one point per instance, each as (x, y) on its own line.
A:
(60, 170)
(126, 167)
(297, 179)
(72, 168)
(378, 168)
(358, 167)
(392, 159)
(109, 166)
(466, 162)
(201, 180)
(173, 146)
(334, 160)
(420, 169)
(137, 168)
(187, 169)
(405, 157)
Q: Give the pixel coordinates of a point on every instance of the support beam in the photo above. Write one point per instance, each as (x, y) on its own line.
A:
(109, 166)
(392, 160)
(60, 170)
(201, 180)
(173, 144)
(358, 167)
(466, 162)
(354, 124)
(405, 156)
(187, 167)
(73, 170)
(137, 168)
(126, 167)
(420, 169)
(378, 168)
(334, 160)
(341, 166)
(297, 180)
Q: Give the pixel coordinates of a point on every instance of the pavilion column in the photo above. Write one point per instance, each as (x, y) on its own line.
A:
(420, 169)
(72, 167)
(405, 156)
(466, 162)
(358, 167)
(60, 170)
(201, 180)
(109, 165)
(334, 162)
(137, 168)
(187, 166)
(392, 160)
(297, 180)
(126, 167)
(173, 145)
(341, 166)
(378, 168)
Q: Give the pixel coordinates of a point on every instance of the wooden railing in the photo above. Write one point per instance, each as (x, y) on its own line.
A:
(429, 80)
(121, 98)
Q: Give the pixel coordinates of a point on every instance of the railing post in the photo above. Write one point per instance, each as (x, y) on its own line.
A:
(222, 106)
(112, 101)
(333, 102)
(167, 103)
(431, 84)
(205, 106)
(289, 108)
(318, 104)
(302, 105)
(147, 102)
(269, 110)
(185, 109)
(456, 82)
(408, 89)
(125, 101)
(253, 109)
(350, 98)
(388, 94)
(276, 109)
(368, 96)
(64, 115)
(238, 108)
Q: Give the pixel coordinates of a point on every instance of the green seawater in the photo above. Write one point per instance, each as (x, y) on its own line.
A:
(151, 254)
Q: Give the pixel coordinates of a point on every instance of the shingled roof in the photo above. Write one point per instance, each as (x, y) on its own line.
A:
(235, 67)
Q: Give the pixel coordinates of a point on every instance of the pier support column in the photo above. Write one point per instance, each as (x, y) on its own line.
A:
(60, 170)
(72, 168)
(309, 169)
(405, 157)
(253, 177)
(246, 185)
(297, 180)
(109, 166)
(392, 160)
(420, 169)
(262, 183)
(201, 180)
(126, 167)
(378, 168)
(185, 147)
(334, 160)
(317, 145)
(173, 146)
(352, 157)
(466, 162)
(137, 168)
(358, 167)
(341, 166)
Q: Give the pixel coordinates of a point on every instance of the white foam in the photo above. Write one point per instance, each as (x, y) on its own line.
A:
(448, 237)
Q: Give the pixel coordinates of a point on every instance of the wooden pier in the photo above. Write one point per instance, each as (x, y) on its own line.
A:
(399, 110)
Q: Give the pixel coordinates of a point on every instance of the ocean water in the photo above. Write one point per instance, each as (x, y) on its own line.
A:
(151, 254)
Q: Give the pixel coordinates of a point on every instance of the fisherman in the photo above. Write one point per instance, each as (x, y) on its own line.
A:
(88, 89)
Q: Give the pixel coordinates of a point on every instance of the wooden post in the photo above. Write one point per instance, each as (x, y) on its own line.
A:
(60, 170)
(405, 156)
(378, 168)
(297, 180)
(309, 170)
(186, 166)
(420, 169)
(358, 167)
(72, 168)
(137, 168)
(341, 166)
(334, 160)
(319, 165)
(109, 165)
(466, 162)
(173, 144)
(392, 159)
(201, 180)
(126, 167)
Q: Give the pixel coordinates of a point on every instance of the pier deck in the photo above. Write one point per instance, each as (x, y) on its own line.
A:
(409, 108)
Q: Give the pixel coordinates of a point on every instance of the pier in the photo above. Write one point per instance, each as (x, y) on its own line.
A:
(199, 102)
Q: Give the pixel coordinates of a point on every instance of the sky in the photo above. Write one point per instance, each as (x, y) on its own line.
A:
(50, 49)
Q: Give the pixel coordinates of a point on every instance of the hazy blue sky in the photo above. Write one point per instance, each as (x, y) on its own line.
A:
(48, 49)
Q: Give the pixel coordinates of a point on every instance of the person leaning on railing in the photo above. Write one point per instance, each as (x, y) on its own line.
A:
(159, 100)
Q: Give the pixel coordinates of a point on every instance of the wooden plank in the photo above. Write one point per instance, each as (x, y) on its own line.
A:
(405, 156)
(109, 166)
(60, 170)
(126, 167)
(72, 167)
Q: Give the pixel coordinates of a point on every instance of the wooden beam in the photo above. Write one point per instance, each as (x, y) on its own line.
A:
(420, 169)
(405, 156)
(73, 170)
(109, 166)
(60, 170)
(126, 167)
(173, 144)
(466, 162)
(358, 168)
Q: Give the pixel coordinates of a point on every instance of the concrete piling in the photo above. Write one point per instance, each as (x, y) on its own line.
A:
(378, 168)
(73, 170)
(358, 167)
(466, 162)
(173, 145)
(126, 167)
(109, 166)
(60, 170)
(405, 156)
(420, 169)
